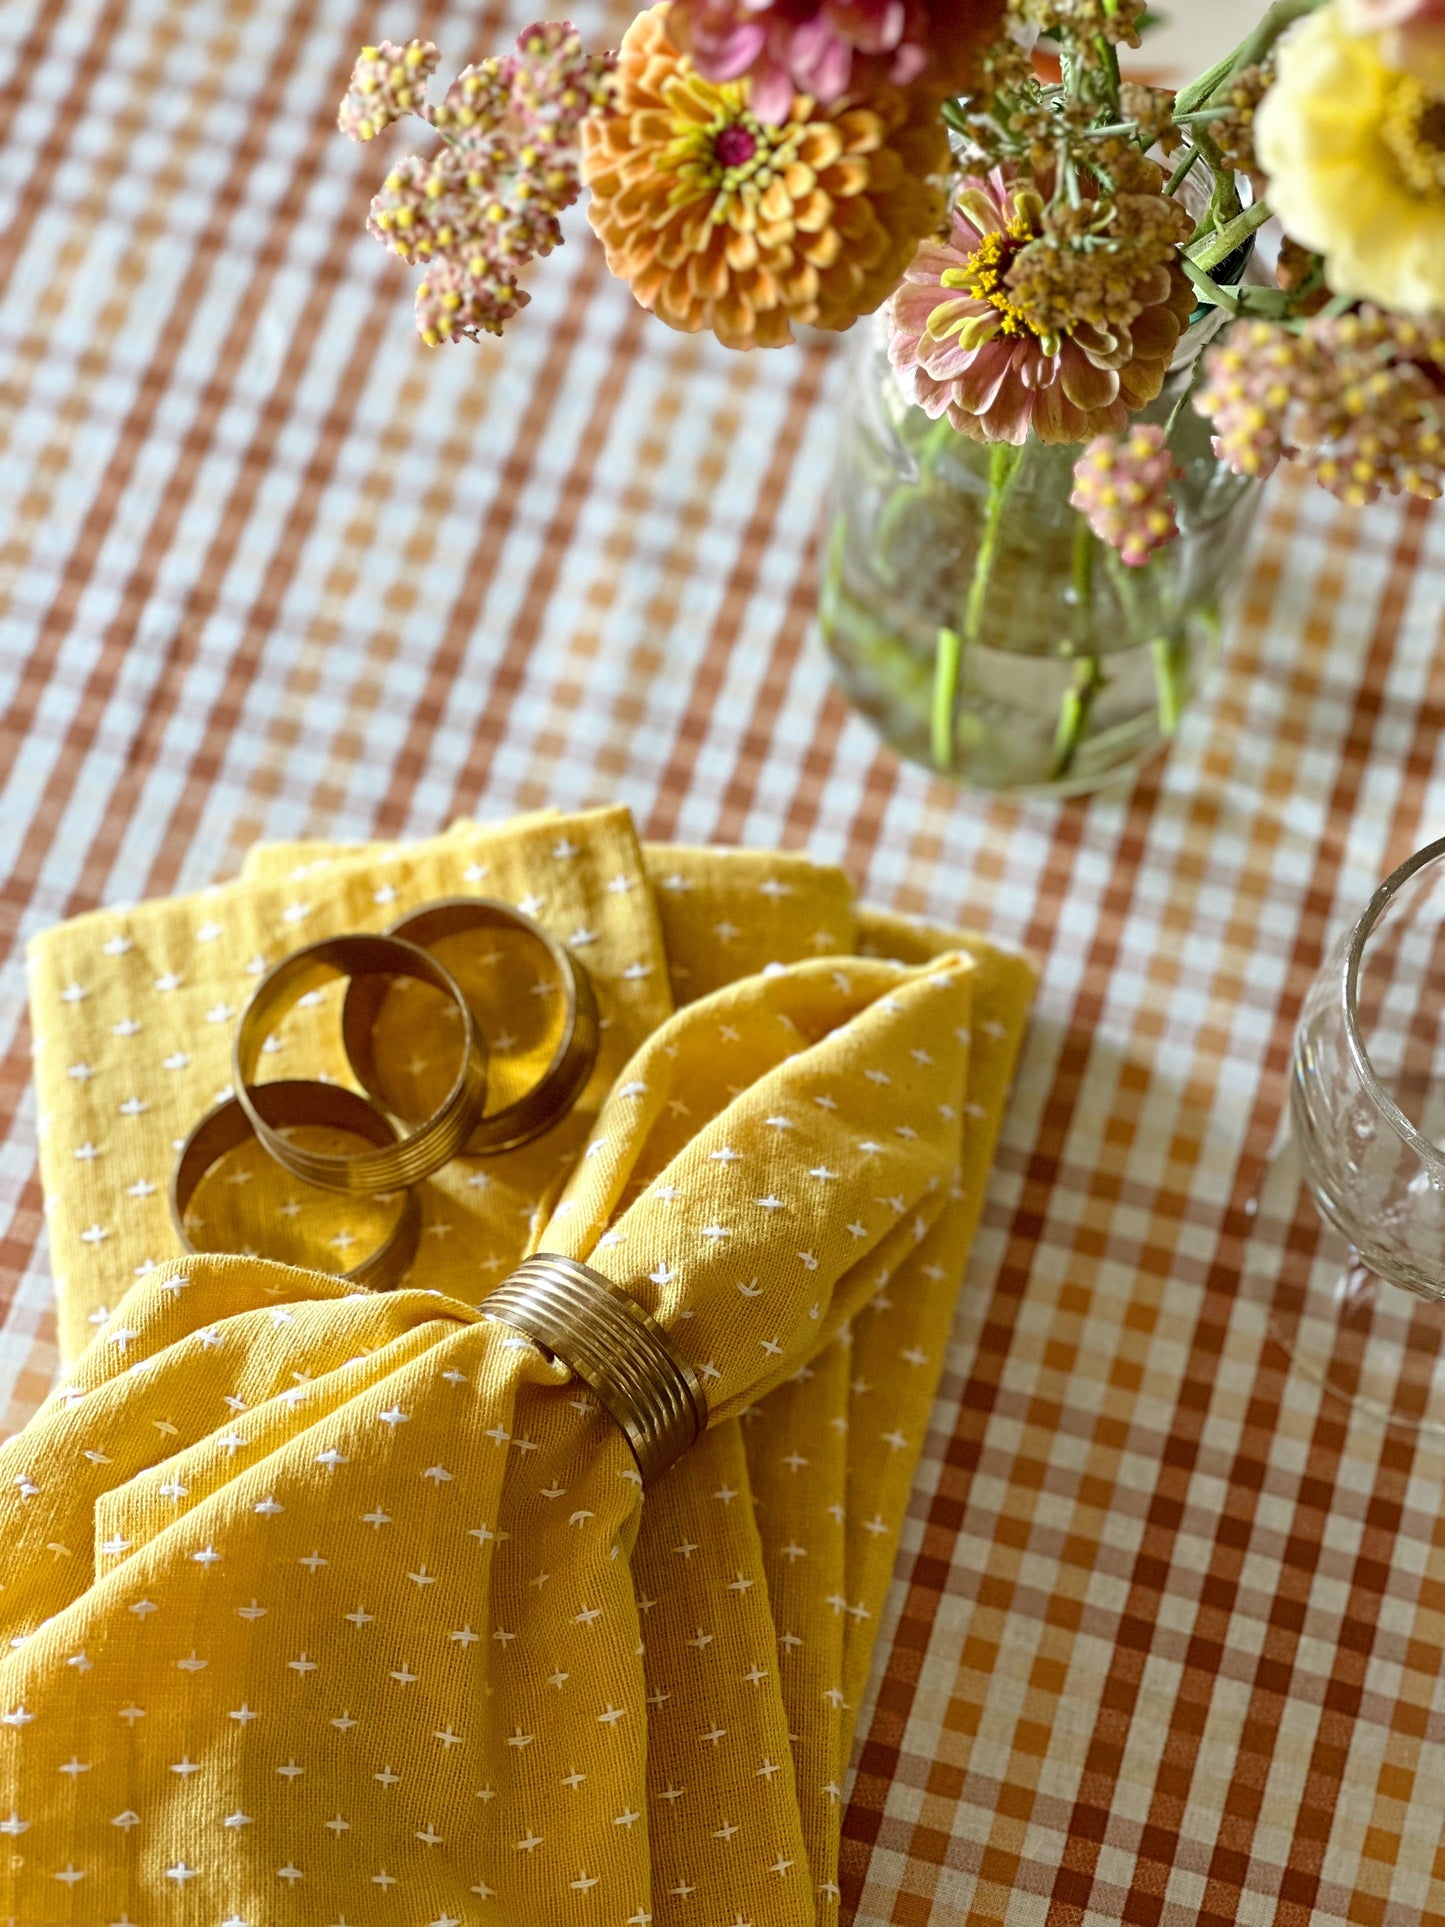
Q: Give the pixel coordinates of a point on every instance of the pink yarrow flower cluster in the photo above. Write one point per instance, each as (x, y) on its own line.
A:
(387, 82)
(479, 209)
(1356, 399)
(1121, 485)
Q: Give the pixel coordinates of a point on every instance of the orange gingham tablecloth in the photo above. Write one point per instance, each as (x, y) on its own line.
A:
(1165, 1642)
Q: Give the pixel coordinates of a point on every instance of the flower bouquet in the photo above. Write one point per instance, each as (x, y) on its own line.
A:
(1080, 367)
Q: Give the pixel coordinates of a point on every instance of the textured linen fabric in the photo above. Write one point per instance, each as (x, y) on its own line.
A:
(329, 1605)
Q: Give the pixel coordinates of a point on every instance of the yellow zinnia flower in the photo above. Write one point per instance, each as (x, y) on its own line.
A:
(1355, 152)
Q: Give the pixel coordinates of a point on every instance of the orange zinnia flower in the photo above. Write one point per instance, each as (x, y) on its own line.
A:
(720, 220)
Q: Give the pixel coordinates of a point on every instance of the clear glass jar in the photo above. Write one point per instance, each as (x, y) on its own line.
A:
(972, 615)
(1367, 1092)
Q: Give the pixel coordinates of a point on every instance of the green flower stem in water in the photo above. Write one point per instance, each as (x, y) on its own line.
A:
(1089, 677)
(1171, 669)
(1003, 468)
(1074, 713)
(1170, 651)
(948, 663)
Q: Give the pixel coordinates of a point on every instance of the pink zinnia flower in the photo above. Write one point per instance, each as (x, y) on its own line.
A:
(964, 345)
(826, 47)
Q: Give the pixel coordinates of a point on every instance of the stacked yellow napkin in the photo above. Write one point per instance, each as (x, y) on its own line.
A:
(330, 1607)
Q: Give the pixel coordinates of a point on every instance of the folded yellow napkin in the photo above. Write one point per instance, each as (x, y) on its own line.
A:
(328, 1606)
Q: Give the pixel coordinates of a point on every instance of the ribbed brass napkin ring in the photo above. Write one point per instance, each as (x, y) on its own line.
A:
(614, 1347)
(412, 1158)
(560, 1084)
(285, 1104)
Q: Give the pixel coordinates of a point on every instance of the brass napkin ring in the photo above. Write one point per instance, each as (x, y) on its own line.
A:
(614, 1347)
(287, 1103)
(393, 1166)
(559, 1086)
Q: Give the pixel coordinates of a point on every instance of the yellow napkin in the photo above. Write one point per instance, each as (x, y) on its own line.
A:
(331, 1606)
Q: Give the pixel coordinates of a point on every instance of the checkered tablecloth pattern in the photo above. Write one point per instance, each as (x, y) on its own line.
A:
(1165, 1643)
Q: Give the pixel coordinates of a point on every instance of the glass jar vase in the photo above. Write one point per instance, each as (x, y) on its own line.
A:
(974, 617)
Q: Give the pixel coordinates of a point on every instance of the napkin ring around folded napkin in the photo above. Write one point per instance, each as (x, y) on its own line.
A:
(560, 1084)
(409, 1159)
(614, 1347)
(286, 1104)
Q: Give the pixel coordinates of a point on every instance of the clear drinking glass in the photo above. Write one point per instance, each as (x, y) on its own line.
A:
(1368, 1085)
